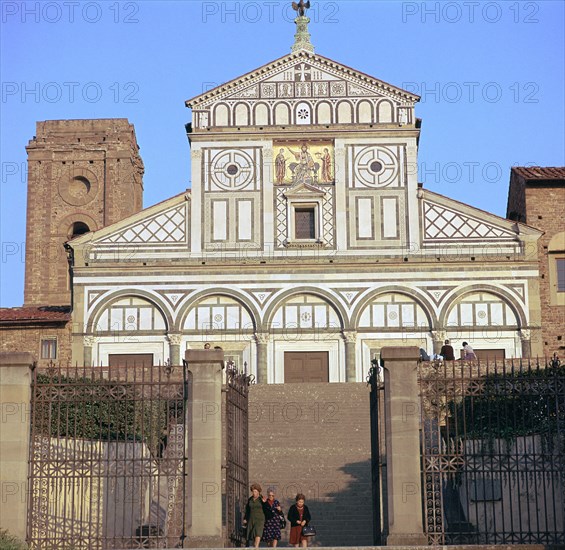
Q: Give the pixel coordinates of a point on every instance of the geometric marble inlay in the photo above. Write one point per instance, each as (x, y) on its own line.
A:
(167, 227)
(443, 223)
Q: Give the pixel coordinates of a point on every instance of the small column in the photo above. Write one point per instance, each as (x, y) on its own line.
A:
(439, 337)
(204, 481)
(15, 398)
(402, 413)
(350, 339)
(262, 339)
(88, 344)
(175, 341)
(526, 341)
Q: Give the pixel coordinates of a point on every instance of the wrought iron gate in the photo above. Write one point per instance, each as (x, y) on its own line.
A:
(493, 446)
(237, 435)
(107, 467)
(375, 381)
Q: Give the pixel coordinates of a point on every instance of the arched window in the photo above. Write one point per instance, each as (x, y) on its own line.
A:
(130, 314)
(218, 313)
(393, 311)
(78, 229)
(305, 312)
(481, 309)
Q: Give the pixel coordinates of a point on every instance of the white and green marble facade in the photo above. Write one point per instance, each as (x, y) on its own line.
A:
(389, 262)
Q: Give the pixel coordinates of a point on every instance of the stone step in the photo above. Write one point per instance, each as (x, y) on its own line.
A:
(450, 547)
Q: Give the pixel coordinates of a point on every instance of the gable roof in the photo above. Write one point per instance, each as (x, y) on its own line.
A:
(283, 63)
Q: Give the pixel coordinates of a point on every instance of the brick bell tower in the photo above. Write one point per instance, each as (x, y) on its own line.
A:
(82, 176)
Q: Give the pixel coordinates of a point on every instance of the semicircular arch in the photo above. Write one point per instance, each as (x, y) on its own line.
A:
(331, 299)
(198, 297)
(504, 295)
(67, 222)
(417, 298)
(109, 300)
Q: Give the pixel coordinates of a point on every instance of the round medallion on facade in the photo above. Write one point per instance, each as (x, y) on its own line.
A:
(79, 187)
(376, 167)
(232, 170)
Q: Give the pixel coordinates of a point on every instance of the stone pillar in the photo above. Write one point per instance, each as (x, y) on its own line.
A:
(204, 483)
(402, 414)
(350, 338)
(526, 341)
(88, 342)
(15, 398)
(262, 339)
(175, 341)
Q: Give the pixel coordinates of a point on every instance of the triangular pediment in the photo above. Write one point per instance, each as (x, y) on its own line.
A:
(445, 220)
(164, 227)
(301, 75)
(304, 189)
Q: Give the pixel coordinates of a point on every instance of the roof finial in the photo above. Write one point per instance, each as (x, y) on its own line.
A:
(302, 36)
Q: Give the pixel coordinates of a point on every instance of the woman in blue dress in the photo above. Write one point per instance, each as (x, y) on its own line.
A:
(272, 530)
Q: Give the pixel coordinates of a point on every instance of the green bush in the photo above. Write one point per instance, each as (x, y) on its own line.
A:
(101, 410)
(519, 403)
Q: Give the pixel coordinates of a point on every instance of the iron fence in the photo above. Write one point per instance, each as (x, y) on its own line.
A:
(375, 381)
(107, 465)
(493, 452)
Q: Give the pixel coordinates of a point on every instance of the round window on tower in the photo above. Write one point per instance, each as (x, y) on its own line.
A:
(79, 187)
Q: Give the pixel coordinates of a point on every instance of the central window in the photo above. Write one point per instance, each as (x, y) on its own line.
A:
(304, 217)
(305, 223)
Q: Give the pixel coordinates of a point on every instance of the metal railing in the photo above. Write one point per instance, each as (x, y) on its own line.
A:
(107, 465)
(493, 452)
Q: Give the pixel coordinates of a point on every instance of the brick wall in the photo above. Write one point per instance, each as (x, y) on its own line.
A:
(28, 339)
(315, 439)
(546, 211)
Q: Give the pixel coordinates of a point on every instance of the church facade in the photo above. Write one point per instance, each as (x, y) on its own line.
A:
(306, 243)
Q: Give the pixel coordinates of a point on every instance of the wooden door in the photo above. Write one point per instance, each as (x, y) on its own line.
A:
(306, 366)
(130, 359)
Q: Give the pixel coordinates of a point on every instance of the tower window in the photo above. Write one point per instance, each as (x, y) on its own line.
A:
(79, 187)
(77, 229)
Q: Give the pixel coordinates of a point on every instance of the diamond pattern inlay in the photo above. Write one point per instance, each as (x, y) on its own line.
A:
(166, 227)
(443, 223)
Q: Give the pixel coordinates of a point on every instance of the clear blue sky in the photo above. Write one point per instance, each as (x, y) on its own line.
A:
(491, 77)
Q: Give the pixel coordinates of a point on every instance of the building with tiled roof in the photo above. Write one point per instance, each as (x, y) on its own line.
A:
(44, 331)
(537, 197)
